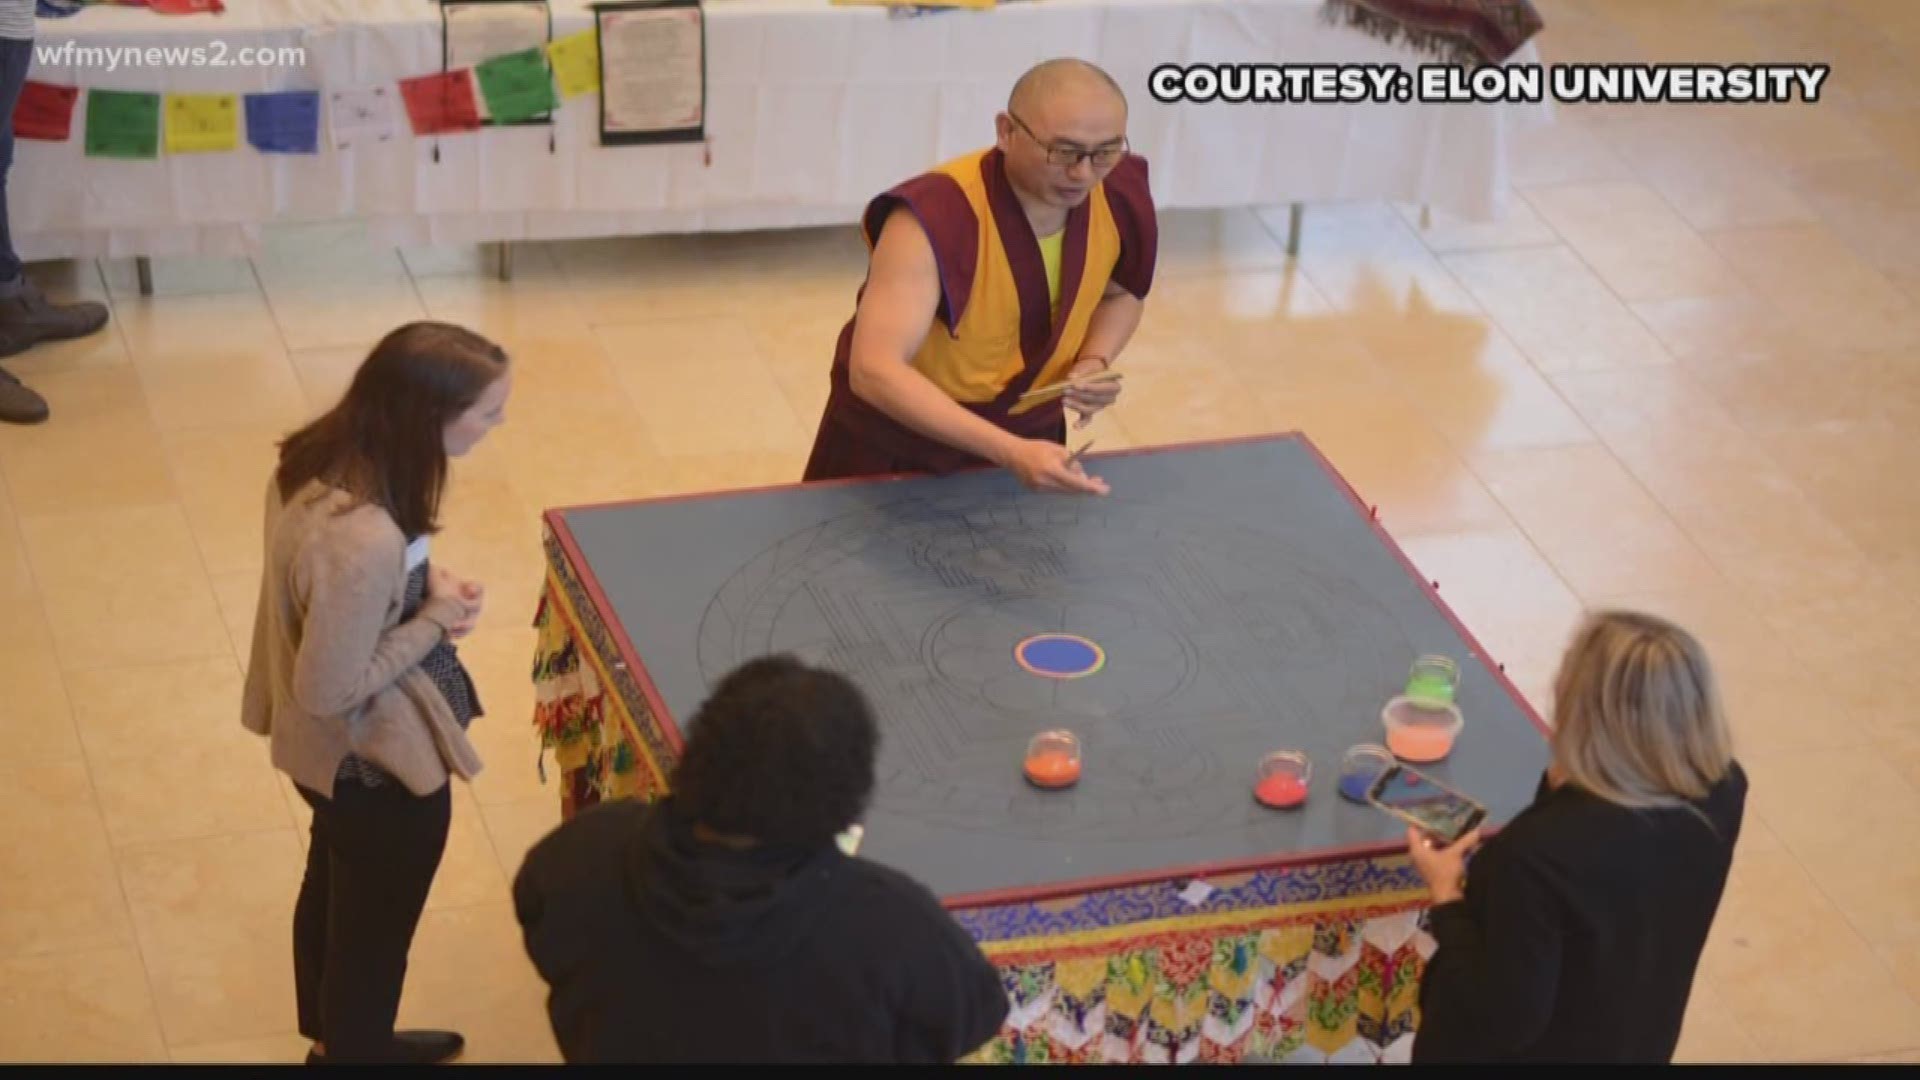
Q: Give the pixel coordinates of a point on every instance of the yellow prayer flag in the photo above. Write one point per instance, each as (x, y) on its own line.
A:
(576, 63)
(202, 123)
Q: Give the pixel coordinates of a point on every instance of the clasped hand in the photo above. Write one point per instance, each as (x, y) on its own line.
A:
(470, 595)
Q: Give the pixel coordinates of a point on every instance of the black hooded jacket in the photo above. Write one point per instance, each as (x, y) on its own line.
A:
(659, 948)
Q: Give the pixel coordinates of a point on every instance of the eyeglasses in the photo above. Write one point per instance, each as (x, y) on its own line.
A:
(1067, 156)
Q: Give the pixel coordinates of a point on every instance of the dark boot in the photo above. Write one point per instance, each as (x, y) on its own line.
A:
(27, 319)
(18, 404)
(415, 1048)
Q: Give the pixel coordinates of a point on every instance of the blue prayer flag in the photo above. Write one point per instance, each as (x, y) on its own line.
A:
(284, 122)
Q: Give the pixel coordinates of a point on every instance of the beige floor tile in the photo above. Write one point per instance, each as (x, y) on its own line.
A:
(169, 758)
(1720, 326)
(1779, 946)
(1411, 476)
(1480, 393)
(169, 326)
(1635, 241)
(1829, 292)
(669, 369)
(212, 388)
(287, 1048)
(516, 826)
(36, 721)
(469, 871)
(1506, 593)
(222, 474)
(1709, 177)
(1567, 151)
(62, 893)
(325, 373)
(501, 310)
(341, 311)
(88, 1007)
(1593, 521)
(1560, 313)
(469, 972)
(215, 919)
(125, 587)
(1711, 1034)
(104, 454)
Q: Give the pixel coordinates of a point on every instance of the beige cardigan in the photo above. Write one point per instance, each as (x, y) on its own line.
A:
(333, 670)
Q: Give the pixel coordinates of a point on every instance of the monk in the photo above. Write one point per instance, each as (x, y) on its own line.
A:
(1009, 269)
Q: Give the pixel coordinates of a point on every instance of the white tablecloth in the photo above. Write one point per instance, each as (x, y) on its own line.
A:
(812, 110)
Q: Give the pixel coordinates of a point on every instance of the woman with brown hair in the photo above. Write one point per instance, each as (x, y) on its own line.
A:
(1575, 936)
(354, 677)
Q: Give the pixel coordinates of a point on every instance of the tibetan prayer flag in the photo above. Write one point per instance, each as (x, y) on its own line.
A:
(441, 103)
(45, 111)
(202, 123)
(284, 122)
(362, 116)
(122, 124)
(517, 86)
(576, 63)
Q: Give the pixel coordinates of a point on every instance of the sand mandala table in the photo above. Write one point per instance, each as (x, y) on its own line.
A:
(1227, 600)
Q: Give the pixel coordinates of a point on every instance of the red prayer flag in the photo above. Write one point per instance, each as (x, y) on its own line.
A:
(186, 7)
(441, 103)
(45, 111)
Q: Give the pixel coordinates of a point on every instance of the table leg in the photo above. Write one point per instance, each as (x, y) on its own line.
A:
(144, 268)
(506, 260)
(1296, 215)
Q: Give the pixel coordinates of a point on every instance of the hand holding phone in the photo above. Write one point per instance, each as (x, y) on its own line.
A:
(1436, 810)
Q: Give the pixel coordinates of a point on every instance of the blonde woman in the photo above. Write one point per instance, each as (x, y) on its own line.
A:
(1576, 934)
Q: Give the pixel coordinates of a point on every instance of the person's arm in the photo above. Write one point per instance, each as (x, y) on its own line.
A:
(346, 656)
(955, 1001)
(1491, 983)
(1123, 302)
(897, 311)
(1109, 328)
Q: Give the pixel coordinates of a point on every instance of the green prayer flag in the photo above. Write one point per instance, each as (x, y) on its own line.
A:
(517, 86)
(122, 124)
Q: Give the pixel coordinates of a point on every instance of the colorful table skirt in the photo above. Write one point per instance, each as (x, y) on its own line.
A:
(1319, 962)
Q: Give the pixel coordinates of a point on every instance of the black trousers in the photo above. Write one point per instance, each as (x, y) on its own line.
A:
(370, 863)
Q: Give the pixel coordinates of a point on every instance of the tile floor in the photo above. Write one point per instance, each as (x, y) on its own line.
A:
(1683, 375)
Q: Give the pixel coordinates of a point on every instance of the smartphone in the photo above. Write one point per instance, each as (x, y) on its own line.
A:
(1425, 803)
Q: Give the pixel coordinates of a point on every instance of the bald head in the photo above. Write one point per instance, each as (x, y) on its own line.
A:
(1062, 78)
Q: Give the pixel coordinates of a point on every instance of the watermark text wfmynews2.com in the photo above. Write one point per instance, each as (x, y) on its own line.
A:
(212, 54)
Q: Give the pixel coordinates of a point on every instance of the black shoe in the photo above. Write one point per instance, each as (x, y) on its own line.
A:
(415, 1048)
(18, 403)
(27, 319)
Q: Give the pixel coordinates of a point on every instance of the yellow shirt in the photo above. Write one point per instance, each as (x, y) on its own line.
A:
(1050, 247)
(985, 347)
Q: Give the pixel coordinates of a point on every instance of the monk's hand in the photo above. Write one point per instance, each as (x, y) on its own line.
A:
(1091, 398)
(1045, 465)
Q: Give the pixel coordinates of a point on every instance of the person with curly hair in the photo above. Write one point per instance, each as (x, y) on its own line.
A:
(723, 922)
